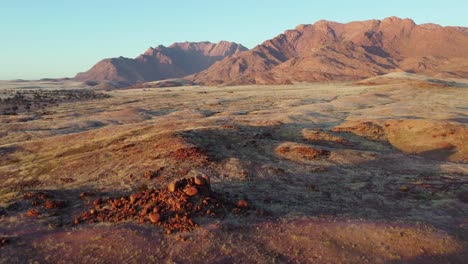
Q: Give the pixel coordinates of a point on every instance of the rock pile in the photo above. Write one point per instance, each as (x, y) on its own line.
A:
(172, 208)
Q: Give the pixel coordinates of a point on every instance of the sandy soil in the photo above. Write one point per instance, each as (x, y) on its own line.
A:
(333, 173)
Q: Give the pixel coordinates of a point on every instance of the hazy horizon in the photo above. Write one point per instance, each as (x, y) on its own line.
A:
(55, 39)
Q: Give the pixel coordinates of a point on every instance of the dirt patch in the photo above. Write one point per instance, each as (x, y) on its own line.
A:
(300, 152)
(369, 130)
(192, 154)
(318, 136)
(439, 140)
(179, 150)
(23, 185)
(432, 139)
(319, 241)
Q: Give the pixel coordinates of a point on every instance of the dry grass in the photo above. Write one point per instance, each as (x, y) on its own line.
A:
(368, 199)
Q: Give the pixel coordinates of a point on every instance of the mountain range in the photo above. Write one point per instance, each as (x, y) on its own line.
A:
(159, 63)
(322, 51)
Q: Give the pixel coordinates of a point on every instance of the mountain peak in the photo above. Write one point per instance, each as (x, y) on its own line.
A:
(395, 19)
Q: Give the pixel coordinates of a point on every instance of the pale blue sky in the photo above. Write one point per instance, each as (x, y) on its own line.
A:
(58, 38)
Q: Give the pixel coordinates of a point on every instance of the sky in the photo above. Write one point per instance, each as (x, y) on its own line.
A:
(58, 38)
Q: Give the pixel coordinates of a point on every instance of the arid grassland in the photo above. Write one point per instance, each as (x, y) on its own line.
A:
(374, 171)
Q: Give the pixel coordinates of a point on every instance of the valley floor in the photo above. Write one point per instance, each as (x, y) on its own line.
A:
(332, 173)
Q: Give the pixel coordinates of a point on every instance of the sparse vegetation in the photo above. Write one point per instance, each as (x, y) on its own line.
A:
(18, 101)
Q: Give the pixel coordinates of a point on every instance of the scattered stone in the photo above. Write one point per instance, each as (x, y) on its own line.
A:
(133, 198)
(33, 213)
(43, 196)
(404, 188)
(181, 239)
(207, 179)
(36, 196)
(199, 180)
(97, 202)
(172, 186)
(191, 191)
(242, 204)
(86, 194)
(50, 204)
(45, 200)
(154, 217)
(149, 175)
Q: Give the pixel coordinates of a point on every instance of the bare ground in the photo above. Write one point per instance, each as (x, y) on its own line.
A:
(332, 173)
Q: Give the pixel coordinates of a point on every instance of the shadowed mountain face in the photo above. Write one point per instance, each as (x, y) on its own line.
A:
(334, 51)
(177, 60)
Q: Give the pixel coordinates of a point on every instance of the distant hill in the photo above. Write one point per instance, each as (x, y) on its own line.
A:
(327, 51)
(177, 60)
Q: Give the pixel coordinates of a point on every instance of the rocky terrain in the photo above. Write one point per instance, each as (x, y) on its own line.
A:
(340, 172)
(177, 60)
(330, 51)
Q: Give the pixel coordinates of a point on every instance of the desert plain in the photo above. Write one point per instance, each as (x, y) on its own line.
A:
(373, 171)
